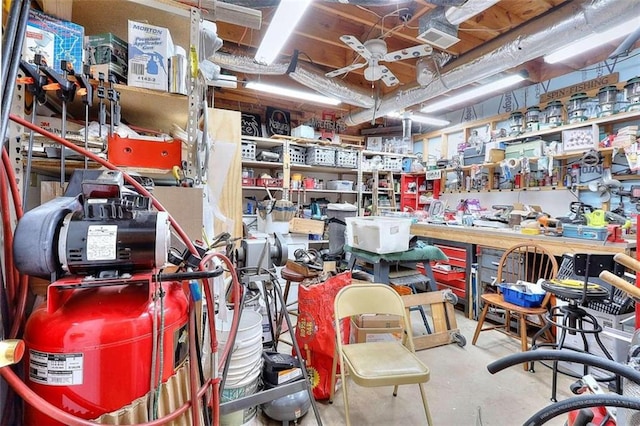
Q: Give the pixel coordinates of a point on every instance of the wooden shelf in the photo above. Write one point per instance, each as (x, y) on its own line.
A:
(262, 164)
(615, 118)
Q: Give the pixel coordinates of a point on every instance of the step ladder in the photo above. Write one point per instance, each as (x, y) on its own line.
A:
(380, 193)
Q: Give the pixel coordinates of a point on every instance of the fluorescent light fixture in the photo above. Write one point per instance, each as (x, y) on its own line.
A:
(292, 93)
(481, 90)
(228, 81)
(420, 118)
(280, 28)
(592, 41)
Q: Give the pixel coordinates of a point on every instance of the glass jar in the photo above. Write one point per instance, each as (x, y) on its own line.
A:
(554, 113)
(577, 107)
(607, 98)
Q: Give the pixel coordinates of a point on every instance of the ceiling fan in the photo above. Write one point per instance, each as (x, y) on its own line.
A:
(374, 51)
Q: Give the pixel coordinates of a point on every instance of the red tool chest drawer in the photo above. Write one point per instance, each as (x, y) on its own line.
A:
(457, 256)
(447, 276)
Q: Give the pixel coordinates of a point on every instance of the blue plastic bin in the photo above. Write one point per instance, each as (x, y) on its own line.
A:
(521, 298)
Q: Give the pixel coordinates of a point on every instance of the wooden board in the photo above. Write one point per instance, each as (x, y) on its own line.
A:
(224, 125)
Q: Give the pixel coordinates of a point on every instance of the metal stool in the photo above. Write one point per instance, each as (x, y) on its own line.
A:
(290, 276)
(572, 318)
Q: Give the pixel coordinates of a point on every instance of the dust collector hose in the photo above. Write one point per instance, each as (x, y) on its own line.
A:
(62, 416)
(564, 355)
(579, 402)
(575, 403)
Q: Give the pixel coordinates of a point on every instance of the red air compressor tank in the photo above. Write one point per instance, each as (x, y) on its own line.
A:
(89, 350)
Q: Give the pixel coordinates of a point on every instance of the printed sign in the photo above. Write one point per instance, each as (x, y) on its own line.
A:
(251, 124)
(278, 122)
(584, 86)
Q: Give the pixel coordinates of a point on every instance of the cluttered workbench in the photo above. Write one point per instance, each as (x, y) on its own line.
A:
(505, 238)
(473, 240)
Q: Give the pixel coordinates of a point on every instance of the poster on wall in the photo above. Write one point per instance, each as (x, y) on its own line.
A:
(278, 122)
(251, 124)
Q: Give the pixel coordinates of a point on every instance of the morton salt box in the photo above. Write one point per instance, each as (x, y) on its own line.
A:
(150, 48)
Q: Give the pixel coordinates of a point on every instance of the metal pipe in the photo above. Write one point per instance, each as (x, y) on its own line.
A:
(13, 65)
(10, 36)
(509, 51)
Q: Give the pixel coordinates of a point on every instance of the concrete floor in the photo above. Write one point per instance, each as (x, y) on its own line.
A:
(461, 390)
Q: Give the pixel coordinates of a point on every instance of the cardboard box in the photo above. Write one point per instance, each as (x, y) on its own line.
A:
(306, 226)
(107, 54)
(150, 48)
(494, 155)
(54, 39)
(378, 321)
(369, 334)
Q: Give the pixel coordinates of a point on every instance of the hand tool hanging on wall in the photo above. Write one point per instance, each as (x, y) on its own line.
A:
(35, 85)
(102, 112)
(66, 91)
(86, 90)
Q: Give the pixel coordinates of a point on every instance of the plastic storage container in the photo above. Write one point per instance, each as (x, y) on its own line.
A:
(346, 158)
(379, 234)
(340, 185)
(297, 154)
(337, 227)
(321, 156)
(515, 294)
(248, 150)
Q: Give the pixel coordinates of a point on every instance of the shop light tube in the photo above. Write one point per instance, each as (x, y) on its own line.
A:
(292, 93)
(280, 28)
(592, 41)
(481, 90)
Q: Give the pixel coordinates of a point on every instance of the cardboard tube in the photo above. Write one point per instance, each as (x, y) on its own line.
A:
(623, 285)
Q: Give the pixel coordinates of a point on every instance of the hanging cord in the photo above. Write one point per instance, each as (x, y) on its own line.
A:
(154, 355)
(161, 294)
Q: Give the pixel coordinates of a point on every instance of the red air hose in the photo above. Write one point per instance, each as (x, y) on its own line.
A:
(62, 416)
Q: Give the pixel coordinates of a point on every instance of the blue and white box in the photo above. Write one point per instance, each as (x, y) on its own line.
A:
(54, 39)
(150, 48)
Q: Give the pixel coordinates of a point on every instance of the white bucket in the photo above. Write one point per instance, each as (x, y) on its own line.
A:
(245, 363)
(250, 326)
(234, 389)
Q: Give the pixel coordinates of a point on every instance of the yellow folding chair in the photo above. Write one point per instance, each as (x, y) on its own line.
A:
(375, 364)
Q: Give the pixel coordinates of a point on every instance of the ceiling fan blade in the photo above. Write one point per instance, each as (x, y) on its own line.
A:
(409, 52)
(355, 44)
(388, 77)
(345, 70)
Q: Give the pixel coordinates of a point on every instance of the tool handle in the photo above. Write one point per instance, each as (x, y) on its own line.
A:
(83, 82)
(627, 261)
(623, 285)
(66, 86)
